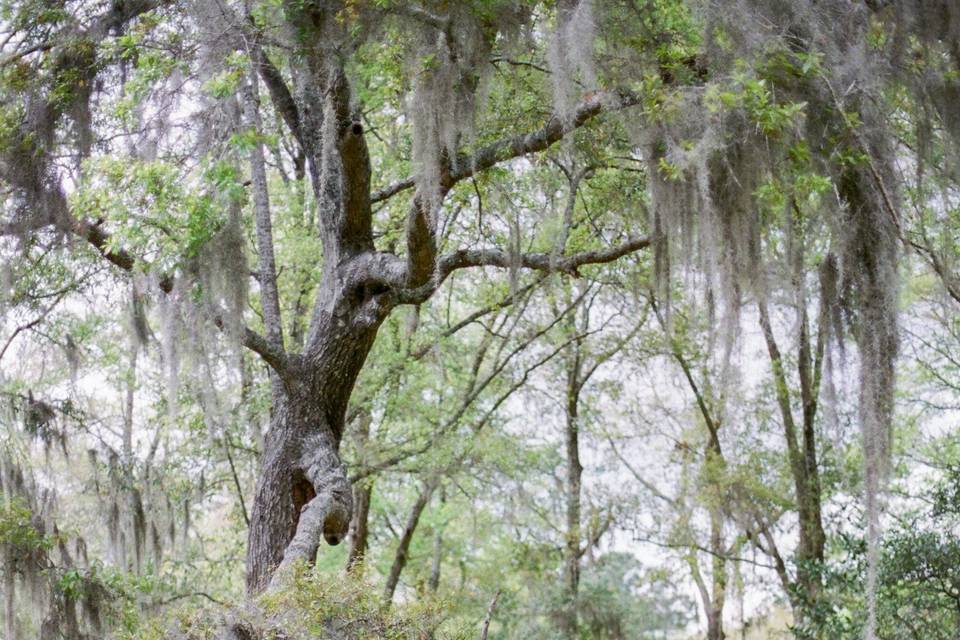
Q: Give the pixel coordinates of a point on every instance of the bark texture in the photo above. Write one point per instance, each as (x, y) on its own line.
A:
(303, 494)
(360, 527)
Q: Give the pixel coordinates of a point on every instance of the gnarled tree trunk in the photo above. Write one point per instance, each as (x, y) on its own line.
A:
(303, 493)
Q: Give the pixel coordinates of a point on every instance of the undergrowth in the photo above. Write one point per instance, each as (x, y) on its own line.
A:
(310, 605)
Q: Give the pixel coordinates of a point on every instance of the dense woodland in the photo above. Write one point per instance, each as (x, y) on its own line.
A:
(593, 319)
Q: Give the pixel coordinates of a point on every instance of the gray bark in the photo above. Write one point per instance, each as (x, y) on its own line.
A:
(362, 496)
(436, 561)
(9, 596)
(267, 275)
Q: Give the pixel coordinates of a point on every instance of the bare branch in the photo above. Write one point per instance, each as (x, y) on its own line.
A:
(30, 325)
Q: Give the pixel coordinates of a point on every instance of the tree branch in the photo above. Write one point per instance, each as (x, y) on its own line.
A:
(489, 616)
(541, 261)
(272, 320)
(516, 146)
(545, 262)
(279, 93)
(30, 325)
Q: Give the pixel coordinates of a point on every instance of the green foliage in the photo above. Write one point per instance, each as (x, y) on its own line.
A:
(19, 532)
(315, 603)
(226, 83)
(309, 605)
(919, 591)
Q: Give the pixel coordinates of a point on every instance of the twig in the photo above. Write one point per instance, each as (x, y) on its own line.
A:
(193, 594)
(30, 325)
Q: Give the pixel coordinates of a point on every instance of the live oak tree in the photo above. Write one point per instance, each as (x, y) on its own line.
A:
(303, 493)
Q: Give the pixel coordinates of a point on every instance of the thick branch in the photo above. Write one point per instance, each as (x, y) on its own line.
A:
(280, 94)
(326, 515)
(421, 241)
(274, 356)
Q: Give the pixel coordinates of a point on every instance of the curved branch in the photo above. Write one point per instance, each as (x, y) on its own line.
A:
(30, 325)
(278, 91)
(540, 261)
(516, 146)
(327, 514)
(545, 262)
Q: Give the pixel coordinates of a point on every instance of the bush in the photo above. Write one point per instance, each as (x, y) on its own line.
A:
(309, 605)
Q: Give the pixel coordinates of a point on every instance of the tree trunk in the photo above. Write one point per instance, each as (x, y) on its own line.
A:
(403, 547)
(719, 578)
(574, 481)
(715, 625)
(435, 564)
(359, 528)
(9, 597)
(362, 495)
(303, 492)
(812, 538)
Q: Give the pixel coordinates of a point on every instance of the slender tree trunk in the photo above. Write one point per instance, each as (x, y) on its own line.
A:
(9, 599)
(809, 496)
(802, 455)
(135, 515)
(718, 577)
(574, 482)
(713, 603)
(362, 495)
(435, 564)
(359, 528)
(434, 582)
(403, 547)
(715, 624)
